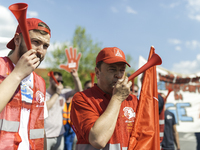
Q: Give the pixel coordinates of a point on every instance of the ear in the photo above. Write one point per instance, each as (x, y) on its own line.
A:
(97, 72)
(17, 39)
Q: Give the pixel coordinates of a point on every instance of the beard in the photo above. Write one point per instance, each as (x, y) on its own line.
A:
(23, 50)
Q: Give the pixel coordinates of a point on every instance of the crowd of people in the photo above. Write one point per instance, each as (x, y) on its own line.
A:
(58, 118)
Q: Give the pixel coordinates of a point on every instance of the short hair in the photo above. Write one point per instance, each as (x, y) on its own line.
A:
(98, 65)
(57, 73)
(41, 24)
(86, 82)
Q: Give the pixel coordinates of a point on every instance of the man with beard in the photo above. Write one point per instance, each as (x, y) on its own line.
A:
(103, 115)
(22, 92)
(56, 97)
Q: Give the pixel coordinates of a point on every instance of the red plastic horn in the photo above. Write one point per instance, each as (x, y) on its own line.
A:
(19, 11)
(169, 91)
(50, 74)
(92, 75)
(154, 60)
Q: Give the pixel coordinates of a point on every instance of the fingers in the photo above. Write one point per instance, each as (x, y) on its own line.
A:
(124, 82)
(74, 72)
(129, 84)
(72, 56)
(65, 67)
(30, 58)
(74, 53)
(121, 80)
(122, 88)
(27, 63)
(36, 64)
(79, 56)
(59, 87)
(67, 54)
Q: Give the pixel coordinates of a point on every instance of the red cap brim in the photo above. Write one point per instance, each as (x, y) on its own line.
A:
(114, 60)
(11, 44)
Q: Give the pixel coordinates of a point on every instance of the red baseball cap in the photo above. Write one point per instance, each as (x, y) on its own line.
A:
(111, 55)
(32, 23)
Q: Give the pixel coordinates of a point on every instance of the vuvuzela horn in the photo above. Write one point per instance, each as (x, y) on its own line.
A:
(19, 11)
(154, 60)
(51, 74)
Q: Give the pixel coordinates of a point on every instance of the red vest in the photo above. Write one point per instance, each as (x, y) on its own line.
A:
(10, 115)
(162, 124)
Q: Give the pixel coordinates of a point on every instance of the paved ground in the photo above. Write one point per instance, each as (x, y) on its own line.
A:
(187, 141)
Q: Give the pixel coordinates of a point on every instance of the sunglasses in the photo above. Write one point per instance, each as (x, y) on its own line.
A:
(61, 81)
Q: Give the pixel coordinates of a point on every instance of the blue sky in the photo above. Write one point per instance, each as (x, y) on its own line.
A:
(172, 26)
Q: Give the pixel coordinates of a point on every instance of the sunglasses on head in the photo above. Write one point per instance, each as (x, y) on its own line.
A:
(61, 81)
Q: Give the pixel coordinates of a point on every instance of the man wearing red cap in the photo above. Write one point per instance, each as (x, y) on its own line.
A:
(22, 92)
(103, 116)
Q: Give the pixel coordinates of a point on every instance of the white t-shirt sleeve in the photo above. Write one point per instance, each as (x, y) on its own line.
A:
(45, 110)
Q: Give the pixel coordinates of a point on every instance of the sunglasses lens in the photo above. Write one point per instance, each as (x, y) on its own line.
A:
(60, 81)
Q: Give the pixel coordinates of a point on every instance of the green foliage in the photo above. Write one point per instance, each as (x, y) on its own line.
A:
(85, 45)
(130, 70)
(89, 50)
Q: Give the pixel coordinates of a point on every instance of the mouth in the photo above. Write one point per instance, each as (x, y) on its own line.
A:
(114, 83)
(39, 56)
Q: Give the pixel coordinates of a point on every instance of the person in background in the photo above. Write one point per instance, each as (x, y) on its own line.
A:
(103, 115)
(22, 91)
(197, 135)
(56, 97)
(170, 132)
(135, 90)
(69, 134)
(87, 85)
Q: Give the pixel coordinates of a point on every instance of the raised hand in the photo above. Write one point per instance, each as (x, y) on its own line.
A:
(26, 64)
(73, 62)
(122, 89)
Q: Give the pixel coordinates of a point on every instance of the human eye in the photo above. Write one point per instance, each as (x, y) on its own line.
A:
(36, 42)
(46, 46)
(112, 69)
(122, 70)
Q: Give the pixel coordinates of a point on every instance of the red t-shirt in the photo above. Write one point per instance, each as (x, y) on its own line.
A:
(88, 105)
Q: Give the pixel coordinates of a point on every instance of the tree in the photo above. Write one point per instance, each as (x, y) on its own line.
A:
(89, 49)
(86, 46)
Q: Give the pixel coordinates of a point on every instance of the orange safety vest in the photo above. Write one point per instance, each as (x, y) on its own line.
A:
(66, 114)
(10, 115)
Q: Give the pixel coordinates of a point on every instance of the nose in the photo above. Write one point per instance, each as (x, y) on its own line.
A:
(40, 52)
(40, 48)
(118, 75)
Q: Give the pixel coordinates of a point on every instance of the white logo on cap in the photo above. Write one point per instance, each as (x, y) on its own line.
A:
(118, 53)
